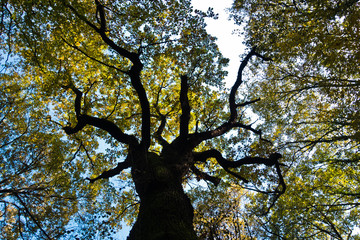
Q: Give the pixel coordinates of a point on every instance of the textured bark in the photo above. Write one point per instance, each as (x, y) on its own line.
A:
(165, 210)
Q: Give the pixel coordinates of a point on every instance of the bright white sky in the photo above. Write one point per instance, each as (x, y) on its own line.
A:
(231, 45)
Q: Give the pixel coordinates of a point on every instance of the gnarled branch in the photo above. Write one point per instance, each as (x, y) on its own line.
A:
(159, 131)
(197, 138)
(238, 82)
(134, 71)
(112, 172)
(235, 87)
(205, 176)
(227, 164)
(102, 30)
(270, 161)
(101, 123)
(185, 107)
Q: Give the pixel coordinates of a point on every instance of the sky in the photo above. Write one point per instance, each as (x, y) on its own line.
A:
(230, 45)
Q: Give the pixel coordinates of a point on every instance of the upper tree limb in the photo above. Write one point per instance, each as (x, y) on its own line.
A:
(102, 123)
(134, 71)
(112, 172)
(227, 165)
(232, 122)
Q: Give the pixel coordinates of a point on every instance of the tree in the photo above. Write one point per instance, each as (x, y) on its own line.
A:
(144, 80)
(218, 213)
(30, 157)
(40, 190)
(310, 97)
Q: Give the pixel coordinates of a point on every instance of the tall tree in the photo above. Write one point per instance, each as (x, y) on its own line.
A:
(219, 212)
(41, 187)
(144, 80)
(310, 101)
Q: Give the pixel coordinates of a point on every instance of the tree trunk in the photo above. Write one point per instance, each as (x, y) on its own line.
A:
(165, 211)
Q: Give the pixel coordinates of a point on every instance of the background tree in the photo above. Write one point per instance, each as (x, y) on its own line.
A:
(219, 214)
(309, 109)
(29, 156)
(142, 79)
(41, 189)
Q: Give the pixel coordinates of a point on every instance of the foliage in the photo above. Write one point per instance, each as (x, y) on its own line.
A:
(310, 97)
(218, 213)
(319, 204)
(88, 84)
(42, 188)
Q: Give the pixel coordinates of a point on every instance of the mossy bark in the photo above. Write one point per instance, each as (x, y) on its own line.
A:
(165, 210)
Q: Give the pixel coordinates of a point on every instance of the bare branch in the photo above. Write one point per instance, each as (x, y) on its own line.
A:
(134, 72)
(101, 12)
(112, 172)
(92, 58)
(158, 133)
(101, 123)
(205, 176)
(102, 30)
(227, 164)
(238, 82)
(261, 56)
(197, 138)
(248, 102)
(87, 154)
(144, 103)
(282, 185)
(185, 107)
(203, 156)
(235, 87)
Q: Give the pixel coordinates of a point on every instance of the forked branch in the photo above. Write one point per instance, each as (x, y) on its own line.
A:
(104, 124)
(272, 160)
(112, 172)
(238, 82)
(232, 122)
(159, 131)
(102, 30)
(134, 71)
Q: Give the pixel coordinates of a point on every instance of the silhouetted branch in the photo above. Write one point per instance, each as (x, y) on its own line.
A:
(112, 172)
(101, 123)
(93, 58)
(134, 71)
(238, 82)
(248, 102)
(32, 216)
(102, 30)
(197, 138)
(205, 176)
(227, 164)
(235, 87)
(158, 133)
(185, 107)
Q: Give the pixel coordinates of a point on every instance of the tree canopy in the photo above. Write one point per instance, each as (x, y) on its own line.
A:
(134, 89)
(309, 108)
(110, 108)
